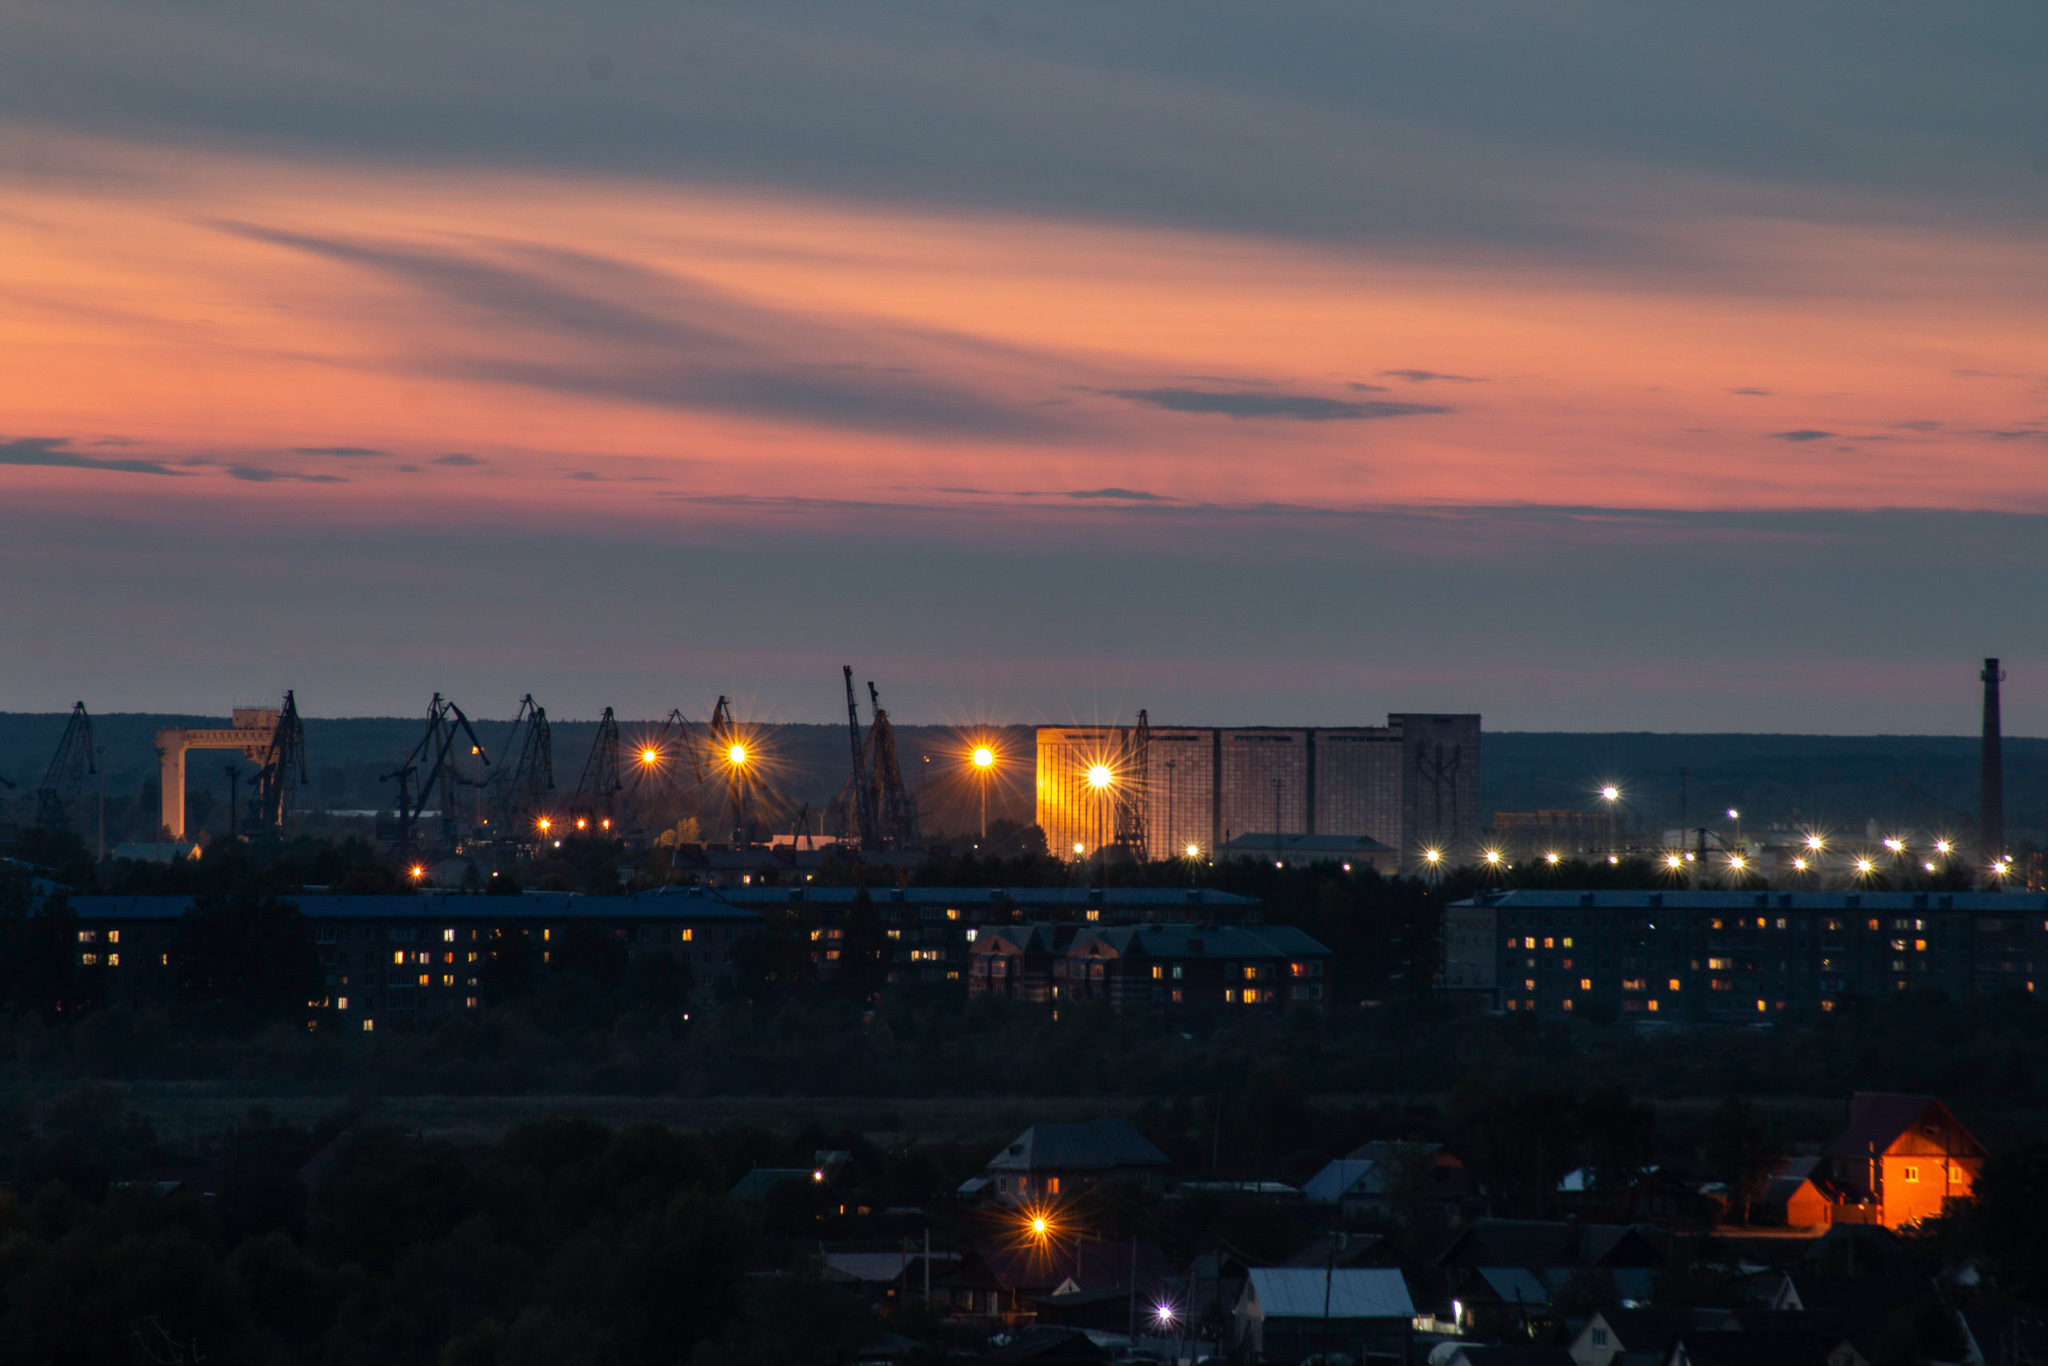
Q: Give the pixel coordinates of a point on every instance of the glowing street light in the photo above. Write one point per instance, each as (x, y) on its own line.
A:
(1864, 865)
(1079, 849)
(1610, 793)
(418, 872)
(984, 761)
(1432, 856)
(1674, 861)
(650, 757)
(1943, 846)
(1550, 859)
(737, 755)
(1815, 843)
(1492, 857)
(1799, 865)
(1194, 851)
(1100, 777)
(545, 825)
(1896, 845)
(984, 757)
(1737, 863)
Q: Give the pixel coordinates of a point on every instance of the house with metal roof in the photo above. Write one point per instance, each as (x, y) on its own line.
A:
(1287, 1312)
(1902, 1158)
(1056, 1162)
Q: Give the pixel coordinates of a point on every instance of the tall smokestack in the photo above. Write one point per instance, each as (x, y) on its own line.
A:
(1991, 768)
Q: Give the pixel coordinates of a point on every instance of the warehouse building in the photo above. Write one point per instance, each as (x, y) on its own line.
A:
(1731, 956)
(1410, 785)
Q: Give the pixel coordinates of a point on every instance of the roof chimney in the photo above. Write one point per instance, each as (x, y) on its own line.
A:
(1991, 768)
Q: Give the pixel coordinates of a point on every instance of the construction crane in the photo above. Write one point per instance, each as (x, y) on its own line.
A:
(1130, 790)
(655, 769)
(895, 808)
(64, 780)
(281, 771)
(592, 806)
(437, 752)
(728, 748)
(855, 811)
(519, 793)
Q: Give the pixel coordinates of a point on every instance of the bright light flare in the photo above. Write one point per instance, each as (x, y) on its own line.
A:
(418, 872)
(1551, 859)
(1492, 857)
(1163, 1313)
(1943, 847)
(650, 756)
(1737, 862)
(1896, 845)
(1100, 777)
(544, 825)
(737, 756)
(1799, 865)
(1864, 865)
(1674, 861)
(1815, 843)
(984, 757)
(1610, 793)
(1194, 851)
(1432, 856)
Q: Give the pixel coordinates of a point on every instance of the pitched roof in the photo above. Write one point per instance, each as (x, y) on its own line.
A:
(1303, 1292)
(1344, 1176)
(1723, 1348)
(1098, 1145)
(1877, 1119)
(1643, 1330)
(1548, 1242)
(1033, 1267)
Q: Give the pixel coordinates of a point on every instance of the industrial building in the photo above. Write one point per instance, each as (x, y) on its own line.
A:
(1411, 785)
(1737, 957)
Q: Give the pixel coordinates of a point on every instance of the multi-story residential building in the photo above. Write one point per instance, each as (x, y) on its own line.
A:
(1645, 956)
(1172, 965)
(930, 930)
(400, 958)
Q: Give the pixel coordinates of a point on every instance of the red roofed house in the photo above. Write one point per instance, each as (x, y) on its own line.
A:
(1904, 1157)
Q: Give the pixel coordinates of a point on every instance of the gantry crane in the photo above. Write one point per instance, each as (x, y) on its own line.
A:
(593, 806)
(281, 770)
(519, 794)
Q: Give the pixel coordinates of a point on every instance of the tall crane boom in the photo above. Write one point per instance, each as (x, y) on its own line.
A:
(1130, 789)
(857, 814)
(64, 780)
(596, 795)
(437, 751)
(519, 793)
(729, 751)
(282, 771)
(895, 808)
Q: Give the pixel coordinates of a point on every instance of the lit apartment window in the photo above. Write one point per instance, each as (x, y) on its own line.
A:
(952, 913)
(88, 936)
(1674, 984)
(448, 936)
(447, 981)
(1548, 942)
(1230, 996)
(1094, 914)
(398, 957)
(1176, 995)
(1567, 941)
(426, 979)
(1585, 984)
(341, 1003)
(469, 1003)
(1919, 946)
(113, 936)
(1653, 1005)
(1176, 971)
(1529, 942)
(369, 1025)
(1529, 984)
(1158, 972)
(1567, 1003)
(1761, 1007)
(1052, 1185)
(1910, 1173)
(113, 960)
(89, 959)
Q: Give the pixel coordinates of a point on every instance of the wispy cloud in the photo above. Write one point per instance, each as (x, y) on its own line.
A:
(581, 324)
(456, 458)
(1292, 407)
(1752, 393)
(1429, 376)
(1803, 434)
(53, 451)
(1119, 495)
(262, 474)
(335, 450)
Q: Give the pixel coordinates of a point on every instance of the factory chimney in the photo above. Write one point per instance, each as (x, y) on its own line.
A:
(1991, 768)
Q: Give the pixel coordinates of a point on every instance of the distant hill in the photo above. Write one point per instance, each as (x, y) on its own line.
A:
(1838, 780)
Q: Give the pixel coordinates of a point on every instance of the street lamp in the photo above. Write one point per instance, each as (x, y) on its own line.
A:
(1611, 794)
(984, 765)
(650, 757)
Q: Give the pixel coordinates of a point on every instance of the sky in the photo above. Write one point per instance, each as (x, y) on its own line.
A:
(1592, 366)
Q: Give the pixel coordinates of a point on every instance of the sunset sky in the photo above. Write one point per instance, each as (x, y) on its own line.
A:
(1590, 366)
